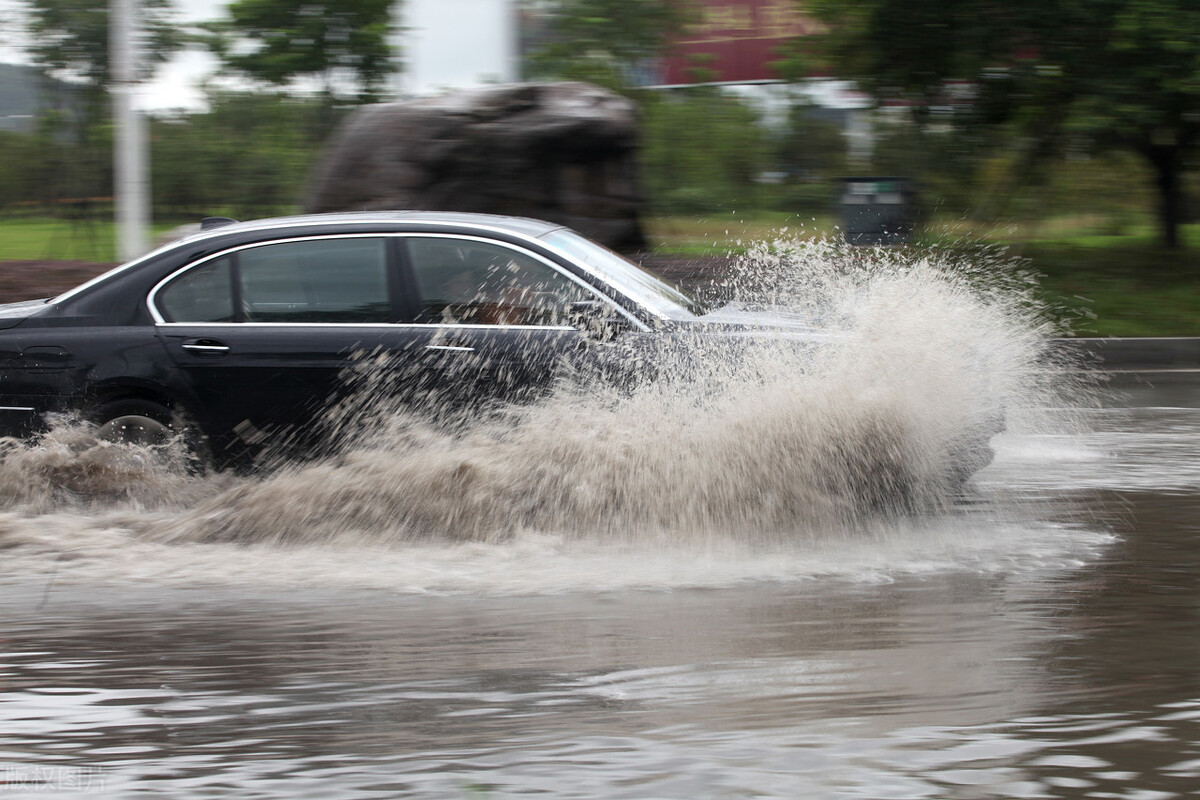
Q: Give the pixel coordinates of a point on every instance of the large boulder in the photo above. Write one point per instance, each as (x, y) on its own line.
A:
(564, 152)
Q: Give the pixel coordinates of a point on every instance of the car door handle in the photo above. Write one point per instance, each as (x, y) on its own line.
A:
(453, 348)
(205, 347)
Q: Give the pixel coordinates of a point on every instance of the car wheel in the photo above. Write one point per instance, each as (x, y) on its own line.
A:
(132, 421)
(146, 423)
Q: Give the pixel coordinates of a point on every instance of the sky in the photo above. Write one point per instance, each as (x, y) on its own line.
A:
(457, 43)
(176, 83)
(447, 43)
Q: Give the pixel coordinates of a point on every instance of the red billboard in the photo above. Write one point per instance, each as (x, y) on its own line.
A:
(734, 41)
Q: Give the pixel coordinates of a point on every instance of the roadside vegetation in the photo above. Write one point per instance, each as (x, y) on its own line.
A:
(715, 179)
(1121, 285)
(1100, 284)
(1043, 160)
(1124, 284)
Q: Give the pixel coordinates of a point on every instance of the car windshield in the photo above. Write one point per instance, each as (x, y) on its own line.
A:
(660, 298)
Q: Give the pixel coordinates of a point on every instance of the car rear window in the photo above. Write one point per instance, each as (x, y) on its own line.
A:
(203, 294)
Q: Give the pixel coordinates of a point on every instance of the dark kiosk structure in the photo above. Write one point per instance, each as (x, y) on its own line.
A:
(877, 210)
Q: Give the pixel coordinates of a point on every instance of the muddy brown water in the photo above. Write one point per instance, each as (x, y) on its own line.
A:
(706, 621)
(1040, 640)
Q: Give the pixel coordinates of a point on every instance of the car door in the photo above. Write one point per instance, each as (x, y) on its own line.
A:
(502, 320)
(266, 334)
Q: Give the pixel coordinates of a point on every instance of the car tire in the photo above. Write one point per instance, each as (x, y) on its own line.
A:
(133, 421)
(145, 423)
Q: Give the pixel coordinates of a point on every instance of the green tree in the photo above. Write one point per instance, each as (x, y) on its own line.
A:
(342, 44)
(247, 156)
(70, 37)
(702, 151)
(1118, 73)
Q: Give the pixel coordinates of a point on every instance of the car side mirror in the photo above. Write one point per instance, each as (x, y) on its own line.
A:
(596, 319)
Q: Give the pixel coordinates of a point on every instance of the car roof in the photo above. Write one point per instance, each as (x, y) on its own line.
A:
(340, 222)
(523, 226)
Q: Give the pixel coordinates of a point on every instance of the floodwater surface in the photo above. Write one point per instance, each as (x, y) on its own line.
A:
(638, 596)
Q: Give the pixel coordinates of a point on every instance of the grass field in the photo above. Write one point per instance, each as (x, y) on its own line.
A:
(48, 239)
(1111, 285)
(720, 234)
(1133, 288)
(1103, 284)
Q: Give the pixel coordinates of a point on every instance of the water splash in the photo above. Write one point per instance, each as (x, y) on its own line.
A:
(762, 438)
(69, 468)
(762, 441)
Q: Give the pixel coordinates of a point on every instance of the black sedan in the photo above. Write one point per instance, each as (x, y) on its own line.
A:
(244, 332)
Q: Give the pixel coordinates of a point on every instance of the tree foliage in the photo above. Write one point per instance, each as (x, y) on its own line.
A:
(703, 151)
(71, 36)
(69, 39)
(340, 44)
(247, 156)
(1122, 73)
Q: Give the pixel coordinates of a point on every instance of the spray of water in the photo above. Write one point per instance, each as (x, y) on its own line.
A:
(763, 439)
(68, 467)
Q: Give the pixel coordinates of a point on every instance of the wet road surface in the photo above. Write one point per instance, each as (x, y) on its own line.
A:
(1040, 640)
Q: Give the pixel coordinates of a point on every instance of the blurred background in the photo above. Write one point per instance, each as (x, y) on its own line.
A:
(1063, 130)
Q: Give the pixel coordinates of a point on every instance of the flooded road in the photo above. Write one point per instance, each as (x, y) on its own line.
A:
(1038, 640)
(693, 590)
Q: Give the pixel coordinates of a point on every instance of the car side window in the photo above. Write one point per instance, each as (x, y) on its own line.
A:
(471, 282)
(323, 280)
(203, 294)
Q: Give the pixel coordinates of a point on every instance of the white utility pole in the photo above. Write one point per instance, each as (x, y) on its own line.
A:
(129, 152)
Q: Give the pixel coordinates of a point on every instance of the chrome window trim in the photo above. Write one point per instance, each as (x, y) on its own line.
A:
(395, 218)
(152, 295)
(469, 326)
(117, 270)
(598, 272)
(382, 325)
(160, 321)
(18, 408)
